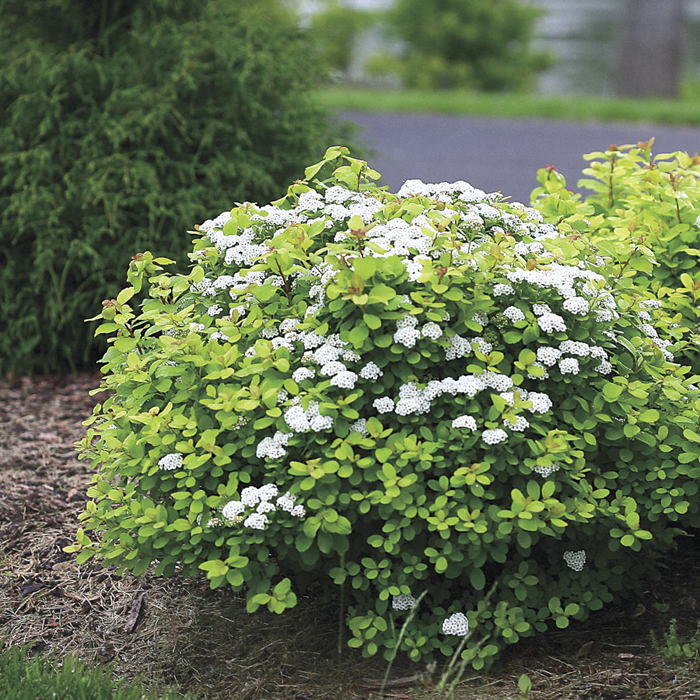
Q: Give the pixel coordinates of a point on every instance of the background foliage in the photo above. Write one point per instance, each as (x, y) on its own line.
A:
(472, 44)
(122, 123)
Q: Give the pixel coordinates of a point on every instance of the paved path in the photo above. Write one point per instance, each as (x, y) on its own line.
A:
(497, 154)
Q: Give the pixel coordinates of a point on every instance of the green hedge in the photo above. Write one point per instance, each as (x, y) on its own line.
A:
(122, 130)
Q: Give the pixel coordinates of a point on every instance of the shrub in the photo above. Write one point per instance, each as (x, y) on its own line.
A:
(120, 128)
(335, 29)
(67, 679)
(473, 44)
(429, 394)
(650, 205)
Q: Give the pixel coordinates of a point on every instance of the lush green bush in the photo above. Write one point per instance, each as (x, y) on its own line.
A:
(651, 205)
(424, 394)
(473, 44)
(43, 678)
(120, 124)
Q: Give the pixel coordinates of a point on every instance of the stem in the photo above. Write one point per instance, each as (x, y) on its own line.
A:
(341, 610)
(612, 170)
(284, 279)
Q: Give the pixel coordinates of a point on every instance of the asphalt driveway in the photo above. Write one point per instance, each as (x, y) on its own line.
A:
(497, 154)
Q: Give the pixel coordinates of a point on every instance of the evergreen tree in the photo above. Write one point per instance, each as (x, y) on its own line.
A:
(123, 123)
(478, 44)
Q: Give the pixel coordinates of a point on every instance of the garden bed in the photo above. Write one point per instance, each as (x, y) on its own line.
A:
(179, 632)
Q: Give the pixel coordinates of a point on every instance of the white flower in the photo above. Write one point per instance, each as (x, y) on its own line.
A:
(550, 323)
(456, 624)
(286, 502)
(403, 601)
(360, 426)
(264, 507)
(464, 422)
(521, 424)
(256, 521)
(576, 305)
(541, 403)
(493, 437)
(250, 496)
(298, 511)
(548, 355)
(501, 289)
(574, 347)
(344, 380)
(299, 375)
(514, 314)
(332, 367)
(544, 470)
(215, 310)
(383, 405)
(604, 367)
(568, 365)
(232, 509)
(541, 309)
(431, 330)
(371, 371)
(406, 336)
(267, 491)
(171, 461)
(575, 560)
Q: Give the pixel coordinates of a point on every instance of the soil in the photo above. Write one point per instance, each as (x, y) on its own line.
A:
(179, 632)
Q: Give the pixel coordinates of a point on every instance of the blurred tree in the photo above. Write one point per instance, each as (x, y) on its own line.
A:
(651, 45)
(479, 44)
(123, 123)
(335, 28)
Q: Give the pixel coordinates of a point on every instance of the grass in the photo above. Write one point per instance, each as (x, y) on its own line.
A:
(682, 112)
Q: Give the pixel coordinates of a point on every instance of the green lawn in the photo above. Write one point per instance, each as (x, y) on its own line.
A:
(681, 112)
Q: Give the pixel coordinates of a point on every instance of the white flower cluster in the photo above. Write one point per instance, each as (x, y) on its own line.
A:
(551, 323)
(578, 306)
(260, 498)
(431, 330)
(360, 426)
(302, 420)
(464, 422)
(406, 332)
(544, 470)
(500, 289)
(493, 437)
(273, 447)
(403, 601)
(414, 400)
(456, 624)
(568, 365)
(171, 461)
(575, 560)
(514, 314)
(371, 371)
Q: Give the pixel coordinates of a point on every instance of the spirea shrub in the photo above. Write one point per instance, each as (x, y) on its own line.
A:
(649, 207)
(425, 396)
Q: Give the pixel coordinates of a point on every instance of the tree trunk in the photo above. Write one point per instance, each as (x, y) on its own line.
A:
(650, 50)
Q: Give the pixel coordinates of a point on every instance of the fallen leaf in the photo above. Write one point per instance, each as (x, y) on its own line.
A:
(134, 614)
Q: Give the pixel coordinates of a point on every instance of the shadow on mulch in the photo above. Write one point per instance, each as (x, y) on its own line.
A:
(179, 632)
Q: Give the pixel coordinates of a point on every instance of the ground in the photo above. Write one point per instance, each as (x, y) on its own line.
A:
(179, 632)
